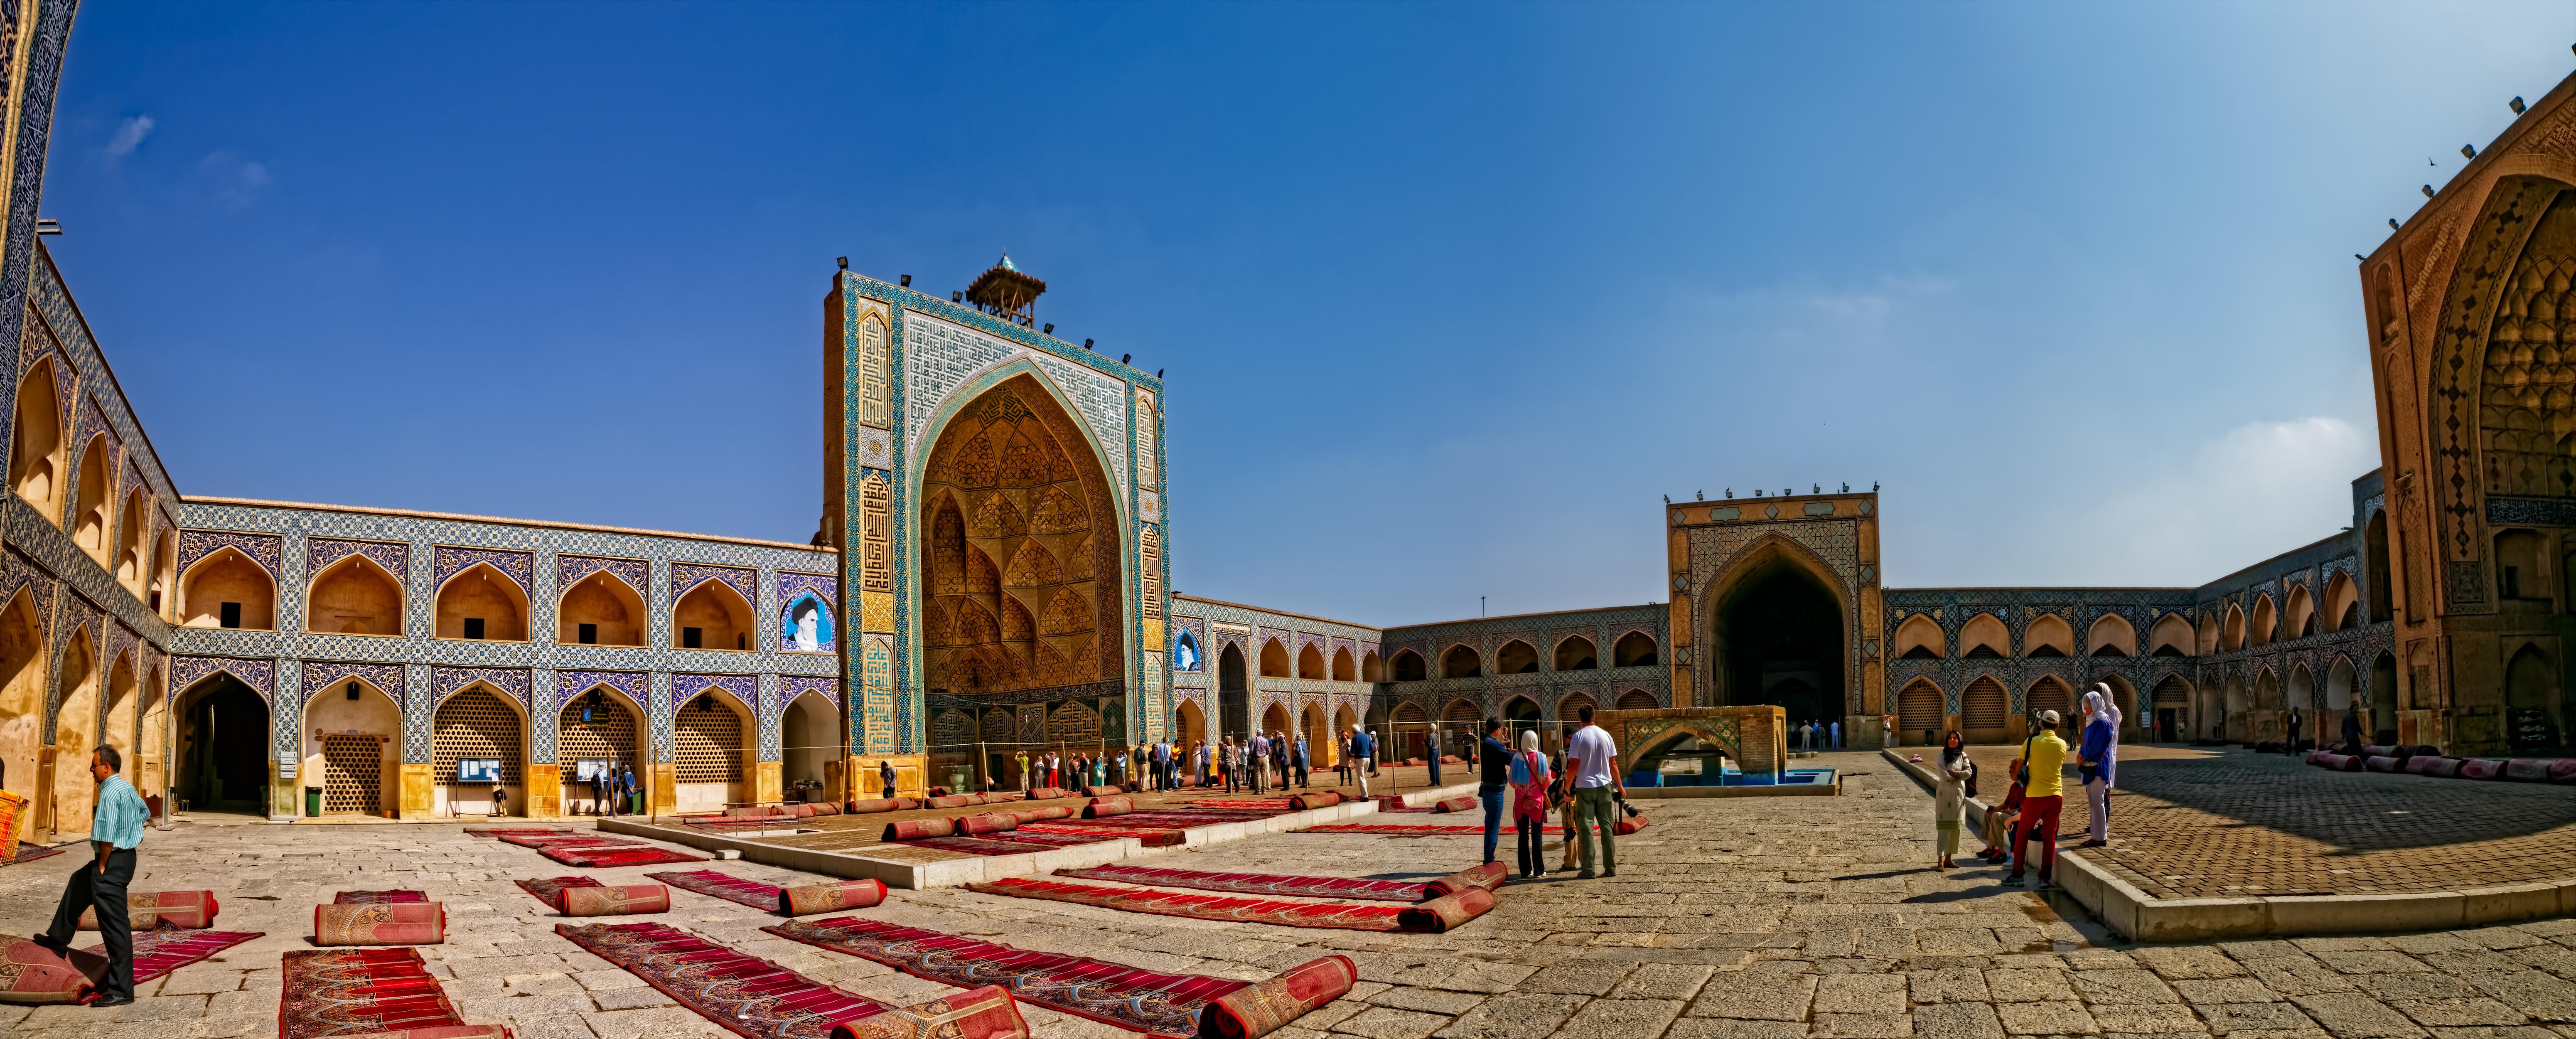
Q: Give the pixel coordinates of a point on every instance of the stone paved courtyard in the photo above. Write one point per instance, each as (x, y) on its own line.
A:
(1729, 918)
(2196, 822)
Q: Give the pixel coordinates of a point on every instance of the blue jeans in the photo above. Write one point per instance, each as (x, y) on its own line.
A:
(1492, 794)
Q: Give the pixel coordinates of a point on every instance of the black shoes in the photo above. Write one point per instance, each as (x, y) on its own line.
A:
(52, 946)
(111, 1001)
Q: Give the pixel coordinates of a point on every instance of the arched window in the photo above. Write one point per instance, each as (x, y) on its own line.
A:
(1461, 662)
(481, 602)
(225, 589)
(1185, 653)
(1576, 654)
(1374, 670)
(711, 616)
(805, 626)
(36, 461)
(1343, 671)
(2048, 636)
(1274, 660)
(1516, 658)
(1409, 666)
(1985, 638)
(2111, 637)
(1310, 661)
(355, 596)
(1634, 649)
(1919, 637)
(600, 610)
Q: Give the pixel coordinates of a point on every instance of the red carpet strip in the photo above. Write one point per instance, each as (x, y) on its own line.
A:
(164, 949)
(1423, 916)
(747, 994)
(1149, 838)
(610, 858)
(830, 896)
(495, 831)
(32, 852)
(1165, 1006)
(372, 898)
(550, 890)
(1256, 883)
(725, 886)
(1401, 830)
(331, 992)
(982, 845)
(559, 840)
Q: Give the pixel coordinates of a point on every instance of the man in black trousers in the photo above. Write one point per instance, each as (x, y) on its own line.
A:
(115, 829)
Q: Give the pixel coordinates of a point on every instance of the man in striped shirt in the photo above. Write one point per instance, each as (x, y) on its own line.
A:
(116, 827)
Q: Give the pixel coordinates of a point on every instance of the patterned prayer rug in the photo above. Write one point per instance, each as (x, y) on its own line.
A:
(1402, 830)
(1256, 883)
(747, 994)
(582, 896)
(802, 900)
(164, 949)
(32, 852)
(495, 831)
(1270, 804)
(1165, 1006)
(610, 858)
(1149, 838)
(369, 898)
(1208, 907)
(333, 992)
(558, 840)
(985, 845)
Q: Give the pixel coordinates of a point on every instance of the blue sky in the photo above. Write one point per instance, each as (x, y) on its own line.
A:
(1447, 295)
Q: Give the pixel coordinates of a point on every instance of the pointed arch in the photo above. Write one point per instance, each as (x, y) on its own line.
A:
(75, 732)
(228, 589)
(36, 460)
(2299, 613)
(481, 602)
(710, 731)
(1190, 723)
(1639, 700)
(1576, 653)
(600, 610)
(2170, 636)
(1984, 637)
(118, 722)
(1343, 669)
(600, 724)
(354, 596)
(131, 566)
(352, 734)
(90, 517)
(1461, 661)
(2231, 630)
(1409, 667)
(151, 767)
(2341, 680)
(2049, 693)
(2342, 603)
(2048, 636)
(221, 759)
(1319, 740)
(1919, 637)
(1634, 649)
(1274, 660)
(712, 615)
(1516, 658)
(2300, 696)
(163, 595)
(479, 723)
(811, 739)
(1310, 661)
(1985, 712)
(2111, 636)
(22, 698)
(2264, 623)
(1919, 714)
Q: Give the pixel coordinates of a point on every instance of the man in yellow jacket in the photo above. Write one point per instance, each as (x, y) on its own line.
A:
(2043, 798)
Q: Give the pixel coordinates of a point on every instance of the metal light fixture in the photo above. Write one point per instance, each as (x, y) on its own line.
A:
(2515, 104)
(1050, 328)
(907, 281)
(48, 225)
(844, 262)
(2428, 191)
(2468, 151)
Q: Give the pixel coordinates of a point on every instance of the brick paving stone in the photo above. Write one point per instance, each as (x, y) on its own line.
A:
(1958, 1021)
(1861, 994)
(2353, 1015)
(1784, 998)
(1515, 1016)
(1621, 1018)
(2055, 1017)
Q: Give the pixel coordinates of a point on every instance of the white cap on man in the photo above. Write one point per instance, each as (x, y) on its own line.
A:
(2048, 718)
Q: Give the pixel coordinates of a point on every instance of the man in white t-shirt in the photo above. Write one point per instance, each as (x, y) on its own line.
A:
(1592, 758)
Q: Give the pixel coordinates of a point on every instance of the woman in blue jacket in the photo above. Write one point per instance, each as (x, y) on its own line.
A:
(2095, 759)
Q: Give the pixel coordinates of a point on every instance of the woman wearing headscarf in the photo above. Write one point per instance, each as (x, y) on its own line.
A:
(2095, 759)
(1950, 802)
(1530, 777)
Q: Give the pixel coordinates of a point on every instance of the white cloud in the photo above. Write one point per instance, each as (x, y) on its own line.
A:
(237, 180)
(129, 136)
(2258, 490)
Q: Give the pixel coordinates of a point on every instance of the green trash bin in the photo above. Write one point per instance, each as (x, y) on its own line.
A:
(313, 802)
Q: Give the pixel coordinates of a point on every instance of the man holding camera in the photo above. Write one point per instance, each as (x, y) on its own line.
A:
(1592, 758)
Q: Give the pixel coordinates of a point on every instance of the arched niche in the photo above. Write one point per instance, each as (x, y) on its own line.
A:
(90, 509)
(2340, 679)
(805, 625)
(2342, 603)
(1319, 740)
(163, 596)
(1461, 661)
(1984, 638)
(602, 726)
(1412, 731)
(1018, 513)
(1343, 669)
(2531, 684)
(2264, 623)
(600, 610)
(1274, 660)
(2207, 639)
(1776, 632)
(2111, 636)
(1919, 637)
(2050, 694)
(1274, 719)
(711, 745)
(712, 616)
(1516, 657)
(1985, 712)
(36, 459)
(2231, 631)
(352, 740)
(1576, 653)
(2301, 697)
(151, 761)
(1409, 667)
(1919, 715)
(131, 566)
(1521, 714)
(1189, 723)
(227, 589)
(1233, 693)
(355, 596)
(75, 732)
(22, 701)
(481, 602)
(810, 740)
(1461, 722)
(118, 727)
(1310, 662)
(1569, 713)
(1634, 649)
(478, 724)
(1371, 668)
(1638, 700)
(221, 761)
(1343, 721)
(2048, 636)
(2171, 702)
(2170, 636)
(2298, 613)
